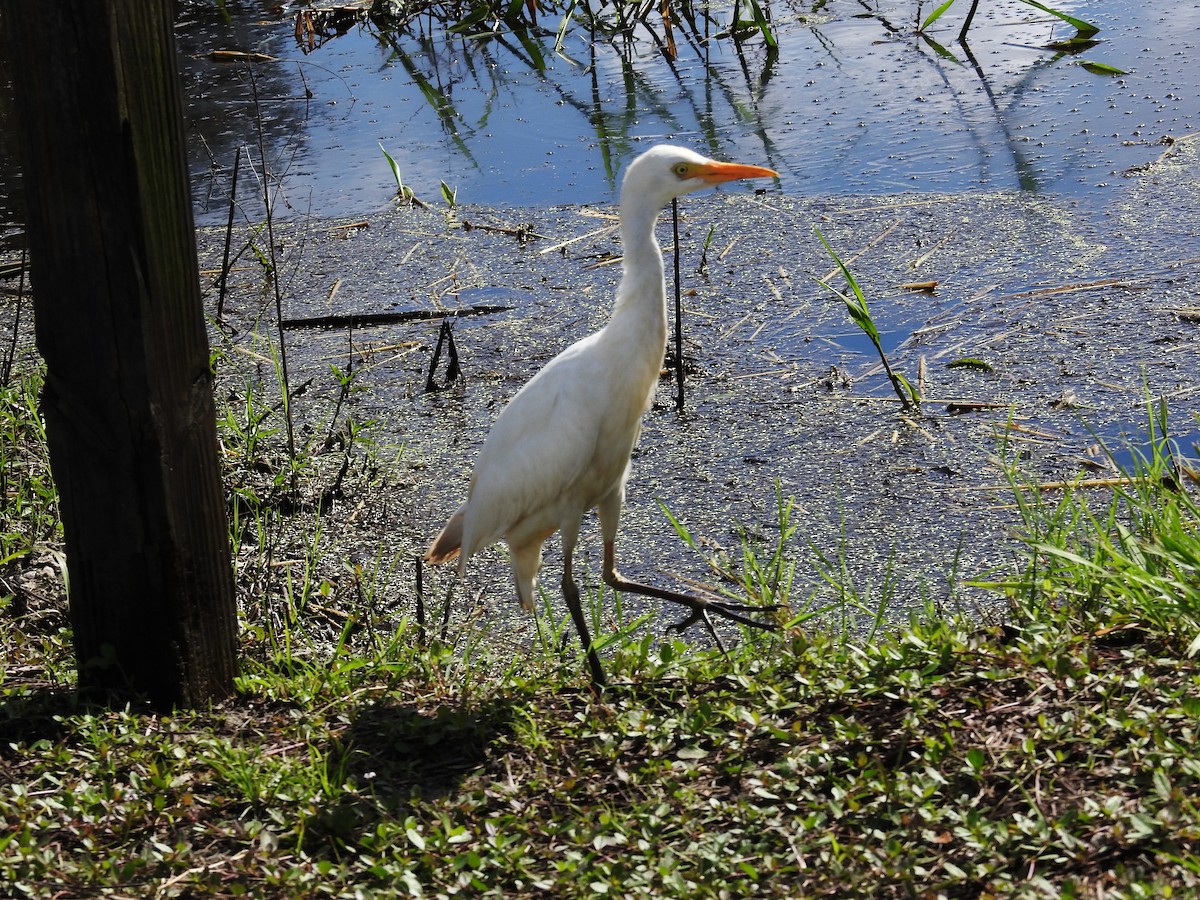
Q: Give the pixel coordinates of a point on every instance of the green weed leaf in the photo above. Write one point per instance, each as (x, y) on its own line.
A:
(936, 14)
(1101, 68)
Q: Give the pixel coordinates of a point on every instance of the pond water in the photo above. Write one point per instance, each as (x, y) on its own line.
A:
(1001, 172)
(1078, 319)
(855, 100)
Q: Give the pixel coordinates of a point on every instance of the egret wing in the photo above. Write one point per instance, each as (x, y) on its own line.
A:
(539, 461)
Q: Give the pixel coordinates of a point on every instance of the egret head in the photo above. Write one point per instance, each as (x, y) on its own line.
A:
(664, 172)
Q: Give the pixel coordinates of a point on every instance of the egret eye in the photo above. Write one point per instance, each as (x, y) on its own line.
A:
(681, 170)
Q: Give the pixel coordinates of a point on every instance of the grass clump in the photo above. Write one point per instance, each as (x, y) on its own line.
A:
(34, 636)
(937, 762)
(1133, 562)
(1048, 754)
(856, 307)
(29, 516)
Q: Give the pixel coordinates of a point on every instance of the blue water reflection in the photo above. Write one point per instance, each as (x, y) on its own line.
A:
(854, 101)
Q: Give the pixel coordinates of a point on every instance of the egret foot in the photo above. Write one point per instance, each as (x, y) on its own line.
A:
(702, 607)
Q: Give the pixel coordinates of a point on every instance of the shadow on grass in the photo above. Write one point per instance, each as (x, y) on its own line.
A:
(399, 756)
(37, 711)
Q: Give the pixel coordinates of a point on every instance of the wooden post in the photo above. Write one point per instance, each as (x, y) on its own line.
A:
(128, 400)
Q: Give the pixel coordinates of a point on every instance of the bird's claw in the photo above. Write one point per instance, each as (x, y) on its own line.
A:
(731, 611)
(688, 621)
(701, 607)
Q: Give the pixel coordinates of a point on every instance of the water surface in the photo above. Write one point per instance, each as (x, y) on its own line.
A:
(854, 101)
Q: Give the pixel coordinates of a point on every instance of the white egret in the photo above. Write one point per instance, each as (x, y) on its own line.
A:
(562, 445)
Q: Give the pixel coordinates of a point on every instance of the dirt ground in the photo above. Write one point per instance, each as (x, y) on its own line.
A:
(1080, 312)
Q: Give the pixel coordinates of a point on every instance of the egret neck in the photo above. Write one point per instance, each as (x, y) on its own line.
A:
(639, 316)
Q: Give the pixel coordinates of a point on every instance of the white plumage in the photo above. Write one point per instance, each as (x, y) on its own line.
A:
(562, 445)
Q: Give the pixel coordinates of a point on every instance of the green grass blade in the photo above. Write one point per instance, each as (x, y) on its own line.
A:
(564, 25)
(401, 189)
(935, 15)
(856, 306)
(1085, 29)
(1101, 68)
(680, 528)
(763, 24)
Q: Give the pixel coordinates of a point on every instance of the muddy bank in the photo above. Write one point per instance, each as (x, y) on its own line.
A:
(1077, 317)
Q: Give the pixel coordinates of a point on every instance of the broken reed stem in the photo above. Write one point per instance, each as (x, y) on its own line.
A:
(678, 310)
(344, 384)
(367, 320)
(906, 401)
(11, 354)
(445, 336)
(1077, 484)
(420, 604)
(445, 633)
(283, 358)
(221, 285)
(966, 26)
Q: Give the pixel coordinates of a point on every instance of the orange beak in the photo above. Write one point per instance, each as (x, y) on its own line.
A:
(717, 172)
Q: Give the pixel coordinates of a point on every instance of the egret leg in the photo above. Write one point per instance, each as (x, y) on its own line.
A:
(571, 594)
